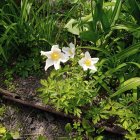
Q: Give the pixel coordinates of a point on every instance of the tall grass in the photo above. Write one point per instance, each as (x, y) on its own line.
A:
(27, 26)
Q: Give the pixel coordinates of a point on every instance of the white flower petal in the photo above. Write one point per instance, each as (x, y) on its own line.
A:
(72, 46)
(57, 65)
(93, 68)
(72, 56)
(64, 57)
(85, 67)
(87, 55)
(46, 53)
(87, 62)
(81, 62)
(55, 48)
(65, 49)
(95, 60)
(49, 63)
(70, 51)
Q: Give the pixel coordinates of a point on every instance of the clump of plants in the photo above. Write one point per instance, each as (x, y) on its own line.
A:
(70, 88)
(88, 94)
(27, 27)
(103, 95)
(98, 80)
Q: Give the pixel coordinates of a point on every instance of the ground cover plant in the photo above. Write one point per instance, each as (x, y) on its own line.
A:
(91, 53)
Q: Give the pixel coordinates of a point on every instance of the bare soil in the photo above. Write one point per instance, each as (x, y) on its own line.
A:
(29, 122)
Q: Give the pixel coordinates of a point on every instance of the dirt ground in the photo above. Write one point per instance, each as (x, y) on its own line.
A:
(30, 122)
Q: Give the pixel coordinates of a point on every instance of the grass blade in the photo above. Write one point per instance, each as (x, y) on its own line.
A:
(127, 85)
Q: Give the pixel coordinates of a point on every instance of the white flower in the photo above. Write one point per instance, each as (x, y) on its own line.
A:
(55, 56)
(88, 63)
(70, 51)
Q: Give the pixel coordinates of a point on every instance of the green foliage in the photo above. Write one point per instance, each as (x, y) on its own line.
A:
(67, 89)
(132, 83)
(111, 95)
(2, 110)
(25, 29)
(109, 29)
(41, 138)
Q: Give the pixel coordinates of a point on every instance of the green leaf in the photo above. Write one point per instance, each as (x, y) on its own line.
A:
(44, 82)
(41, 138)
(128, 52)
(116, 12)
(68, 128)
(2, 130)
(72, 27)
(127, 85)
(99, 138)
(102, 50)
(85, 124)
(125, 124)
(134, 10)
(15, 135)
(132, 28)
(89, 36)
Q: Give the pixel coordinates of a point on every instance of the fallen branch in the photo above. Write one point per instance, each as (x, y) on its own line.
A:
(14, 97)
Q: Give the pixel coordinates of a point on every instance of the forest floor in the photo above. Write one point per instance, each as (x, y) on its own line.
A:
(30, 122)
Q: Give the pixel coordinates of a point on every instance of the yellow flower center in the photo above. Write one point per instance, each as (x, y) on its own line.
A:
(88, 62)
(71, 53)
(55, 56)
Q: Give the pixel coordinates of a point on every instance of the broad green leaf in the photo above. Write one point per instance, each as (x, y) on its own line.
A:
(74, 29)
(73, 26)
(127, 85)
(105, 21)
(2, 130)
(89, 36)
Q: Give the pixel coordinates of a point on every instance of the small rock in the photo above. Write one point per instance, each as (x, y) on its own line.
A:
(24, 83)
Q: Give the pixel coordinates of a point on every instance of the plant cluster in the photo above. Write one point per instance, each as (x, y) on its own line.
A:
(109, 97)
(25, 29)
(101, 95)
